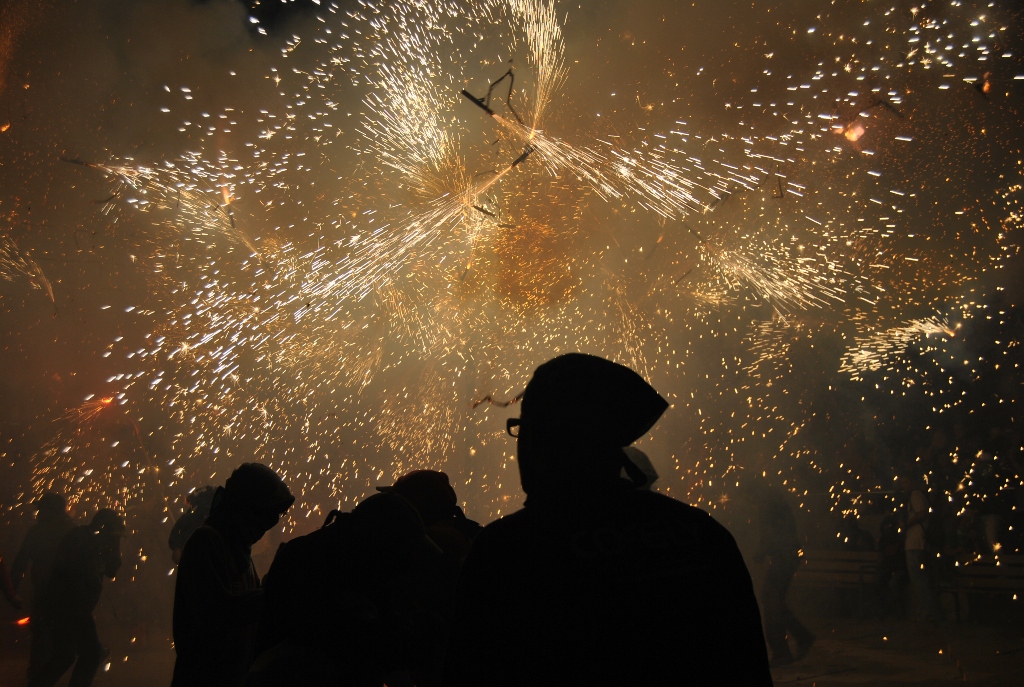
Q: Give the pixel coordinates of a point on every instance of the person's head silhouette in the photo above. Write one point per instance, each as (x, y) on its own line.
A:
(254, 497)
(429, 491)
(108, 521)
(51, 505)
(578, 412)
(391, 535)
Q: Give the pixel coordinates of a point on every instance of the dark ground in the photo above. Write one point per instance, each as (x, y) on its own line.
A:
(986, 649)
(881, 654)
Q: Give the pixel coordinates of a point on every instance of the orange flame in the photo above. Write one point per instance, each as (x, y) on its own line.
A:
(23, 621)
(854, 131)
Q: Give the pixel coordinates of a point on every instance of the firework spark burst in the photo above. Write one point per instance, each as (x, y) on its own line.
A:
(334, 299)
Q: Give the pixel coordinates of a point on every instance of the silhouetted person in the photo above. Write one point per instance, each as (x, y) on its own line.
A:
(780, 548)
(596, 581)
(915, 545)
(892, 567)
(329, 615)
(853, 537)
(199, 502)
(86, 555)
(41, 541)
(36, 558)
(432, 495)
(217, 598)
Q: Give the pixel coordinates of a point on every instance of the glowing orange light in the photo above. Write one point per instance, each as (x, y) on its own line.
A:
(228, 197)
(853, 131)
(5, 127)
(23, 621)
(107, 401)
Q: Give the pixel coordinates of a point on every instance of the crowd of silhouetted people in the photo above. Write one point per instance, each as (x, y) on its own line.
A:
(596, 580)
(67, 564)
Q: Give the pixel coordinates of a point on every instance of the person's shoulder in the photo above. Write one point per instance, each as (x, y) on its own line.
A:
(75, 535)
(301, 548)
(189, 519)
(33, 536)
(657, 506)
(507, 523)
(502, 531)
(203, 538)
(655, 502)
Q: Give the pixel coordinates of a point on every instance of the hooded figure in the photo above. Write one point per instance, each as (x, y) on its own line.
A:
(86, 555)
(217, 597)
(595, 580)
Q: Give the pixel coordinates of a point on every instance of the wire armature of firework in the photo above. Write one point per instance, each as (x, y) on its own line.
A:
(167, 187)
(484, 103)
(500, 404)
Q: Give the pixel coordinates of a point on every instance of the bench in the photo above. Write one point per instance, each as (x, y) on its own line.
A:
(989, 574)
(838, 569)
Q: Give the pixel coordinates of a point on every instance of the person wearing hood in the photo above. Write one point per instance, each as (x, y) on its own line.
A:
(86, 555)
(594, 580)
(217, 596)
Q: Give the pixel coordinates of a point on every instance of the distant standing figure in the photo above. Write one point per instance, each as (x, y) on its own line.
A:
(914, 544)
(86, 555)
(199, 501)
(36, 558)
(217, 598)
(41, 541)
(595, 581)
(854, 537)
(780, 547)
(892, 568)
